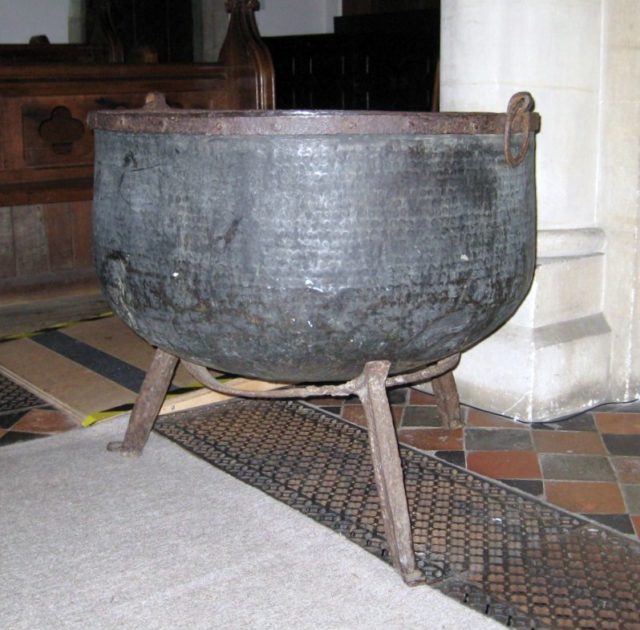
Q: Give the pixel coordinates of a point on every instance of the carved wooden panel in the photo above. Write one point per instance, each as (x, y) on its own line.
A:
(52, 134)
(46, 148)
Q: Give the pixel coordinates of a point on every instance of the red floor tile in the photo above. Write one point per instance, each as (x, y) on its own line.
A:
(586, 497)
(417, 397)
(433, 439)
(627, 469)
(355, 414)
(635, 519)
(325, 401)
(620, 423)
(575, 442)
(505, 464)
(477, 418)
(45, 421)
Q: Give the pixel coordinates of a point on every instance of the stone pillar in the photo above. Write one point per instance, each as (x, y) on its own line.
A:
(564, 350)
(618, 202)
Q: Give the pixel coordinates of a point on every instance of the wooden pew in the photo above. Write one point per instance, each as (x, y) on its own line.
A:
(46, 158)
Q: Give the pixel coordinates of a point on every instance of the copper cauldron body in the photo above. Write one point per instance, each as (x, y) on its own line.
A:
(297, 246)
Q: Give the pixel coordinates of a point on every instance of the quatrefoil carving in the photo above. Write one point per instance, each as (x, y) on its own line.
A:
(61, 130)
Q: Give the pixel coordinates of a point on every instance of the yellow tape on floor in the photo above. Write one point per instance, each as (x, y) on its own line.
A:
(199, 397)
(33, 333)
(102, 415)
(122, 409)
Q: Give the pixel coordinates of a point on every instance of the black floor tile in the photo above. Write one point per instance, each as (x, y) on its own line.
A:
(398, 396)
(619, 522)
(583, 422)
(497, 440)
(8, 419)
(534, 487)
(563, 467)
(457, 458)
(421, 416)
(632, 406)
(622, 444)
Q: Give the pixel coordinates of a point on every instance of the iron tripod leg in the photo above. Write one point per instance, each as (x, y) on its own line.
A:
(147, 405)
(387, 468)
(370, 387)
(446, 393)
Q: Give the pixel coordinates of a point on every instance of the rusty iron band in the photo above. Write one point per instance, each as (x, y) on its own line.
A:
(156, 117)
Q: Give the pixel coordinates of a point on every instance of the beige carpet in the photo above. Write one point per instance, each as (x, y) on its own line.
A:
(94, 540)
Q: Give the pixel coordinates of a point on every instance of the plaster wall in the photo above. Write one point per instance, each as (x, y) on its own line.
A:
(297, 17)
(618, 200)
(275, 17)
(20, 20)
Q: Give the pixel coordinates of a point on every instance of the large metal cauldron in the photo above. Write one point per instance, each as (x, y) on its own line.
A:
(297, 246)
(315, 246)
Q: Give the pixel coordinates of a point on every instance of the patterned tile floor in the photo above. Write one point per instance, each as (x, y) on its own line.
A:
(588, 464)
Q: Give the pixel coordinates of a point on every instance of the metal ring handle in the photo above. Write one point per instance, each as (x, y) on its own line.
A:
(519, 103)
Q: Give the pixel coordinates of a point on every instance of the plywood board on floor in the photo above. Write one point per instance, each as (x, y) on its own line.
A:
(59, 380)
(86, 368)
(112, 335)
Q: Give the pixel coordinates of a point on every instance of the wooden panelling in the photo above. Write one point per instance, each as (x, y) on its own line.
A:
(7, 250)
(368, 7)
(355, 71)
(30, 238)
(46, 153)
(54, 134)
(39, 240)
(161, 28)
(59, 236)
(81, 216)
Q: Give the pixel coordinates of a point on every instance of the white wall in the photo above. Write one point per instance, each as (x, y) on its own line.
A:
(20, 19)
(575, 342)
(297, 17)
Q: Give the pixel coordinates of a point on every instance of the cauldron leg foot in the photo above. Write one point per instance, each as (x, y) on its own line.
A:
(446, 393)
(387, 468)
(148, 403)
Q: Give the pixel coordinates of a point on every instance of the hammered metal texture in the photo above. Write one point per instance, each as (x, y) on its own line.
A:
(13, 397)
(511, 557)
(300, 258)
